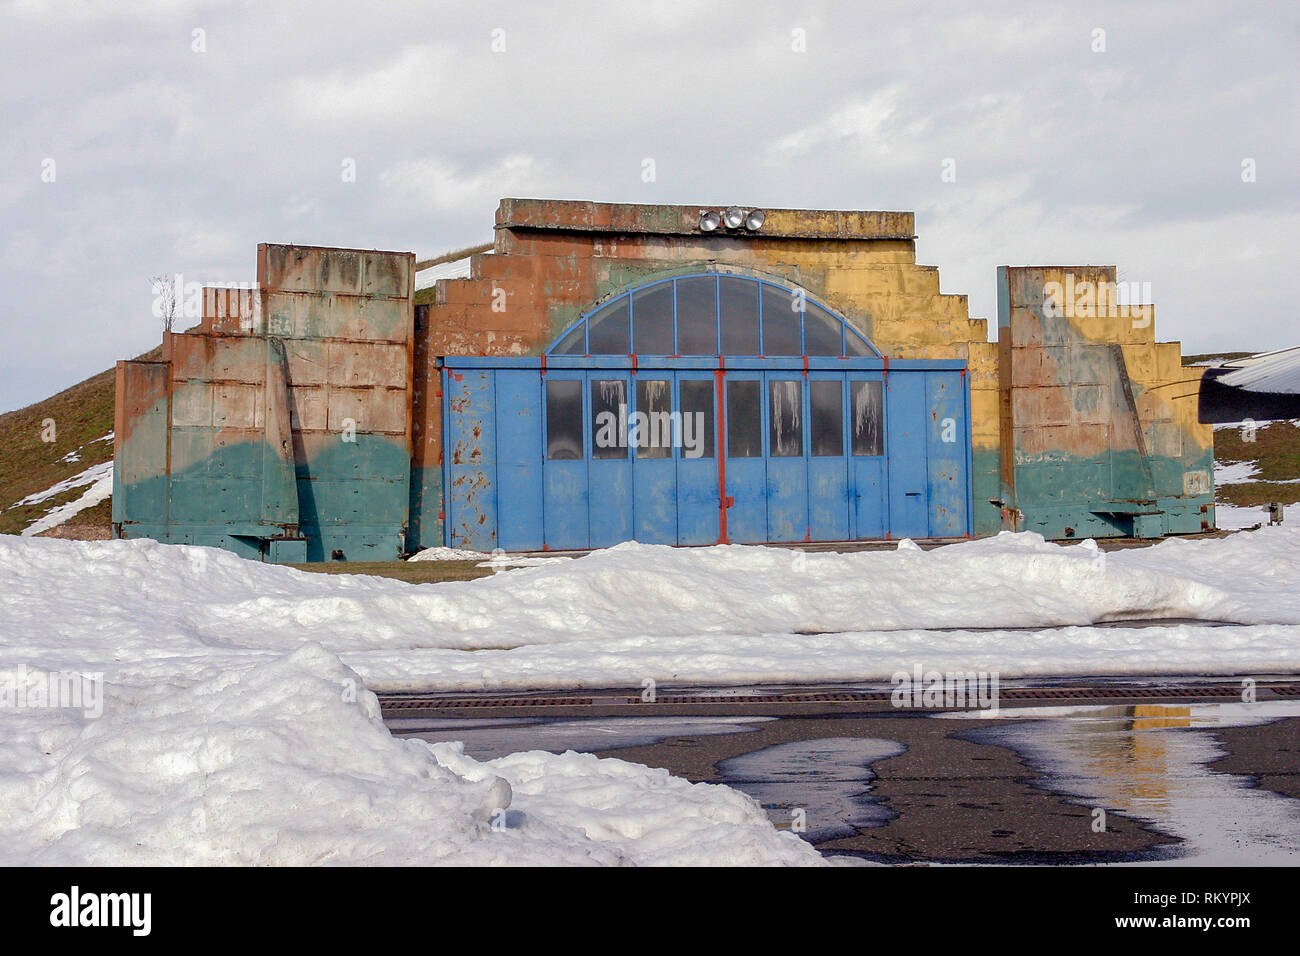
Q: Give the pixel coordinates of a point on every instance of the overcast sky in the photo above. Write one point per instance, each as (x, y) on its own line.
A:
(167, 158)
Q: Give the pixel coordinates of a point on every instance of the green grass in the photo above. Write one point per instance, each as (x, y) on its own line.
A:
(1276, 450)
(28, 464)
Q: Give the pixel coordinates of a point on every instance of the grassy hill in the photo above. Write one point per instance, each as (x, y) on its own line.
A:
(1273, 448)
(1275, 452)
(82, 415)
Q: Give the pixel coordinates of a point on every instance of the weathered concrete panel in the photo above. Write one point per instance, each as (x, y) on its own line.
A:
(230, 458)
(1102, 424)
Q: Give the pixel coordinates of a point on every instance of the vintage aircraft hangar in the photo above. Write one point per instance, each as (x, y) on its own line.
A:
(669, 374)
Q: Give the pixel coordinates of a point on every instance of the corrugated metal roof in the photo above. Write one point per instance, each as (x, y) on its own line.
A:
(1273, 372)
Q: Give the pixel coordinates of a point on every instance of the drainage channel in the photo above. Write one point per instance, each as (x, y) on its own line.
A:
(404, 705)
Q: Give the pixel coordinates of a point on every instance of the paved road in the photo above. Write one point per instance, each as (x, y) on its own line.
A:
(942, 790)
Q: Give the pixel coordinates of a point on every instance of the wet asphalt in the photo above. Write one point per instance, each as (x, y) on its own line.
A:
(942, 799)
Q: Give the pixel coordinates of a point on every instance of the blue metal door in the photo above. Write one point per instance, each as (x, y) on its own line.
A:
(470, 450)
(679, 451)
(829, 516)
(745, 468)
(520, 453)
(654, 450)
(698, 502)
(610, 499)
(564, 472)
(946, 451)
(905, 451)
(787, 457)
(866, 444)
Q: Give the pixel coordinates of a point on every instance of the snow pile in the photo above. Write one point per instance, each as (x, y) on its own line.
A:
(232, 733)
(449, 554)
(146, 612)
(99, 478)
(1233, 518)
(288, 763)
(1234, 472)
(496, 559)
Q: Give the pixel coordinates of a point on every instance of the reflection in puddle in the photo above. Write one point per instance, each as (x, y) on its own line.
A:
(827, 779)
(488, 739)
(1151, 762)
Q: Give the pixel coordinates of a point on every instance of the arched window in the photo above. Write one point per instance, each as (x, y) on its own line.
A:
(712, 314)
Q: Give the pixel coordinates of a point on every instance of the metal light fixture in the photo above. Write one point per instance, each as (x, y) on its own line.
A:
(733, 217)
(709, 220)
(754, 221)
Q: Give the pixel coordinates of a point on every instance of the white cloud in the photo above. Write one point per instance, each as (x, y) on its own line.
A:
(861, 124)
(171, 161)
(436, 185)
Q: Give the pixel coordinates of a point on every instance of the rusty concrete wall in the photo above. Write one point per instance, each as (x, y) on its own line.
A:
(553, 260)
(305, 417)
(287, 414)
(1099, 420)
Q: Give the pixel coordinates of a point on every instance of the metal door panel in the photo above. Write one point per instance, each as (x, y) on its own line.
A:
(786, 419)
(905, 437)
(519, 460)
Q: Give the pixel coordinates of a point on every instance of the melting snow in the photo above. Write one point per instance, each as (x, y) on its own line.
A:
(236, 727)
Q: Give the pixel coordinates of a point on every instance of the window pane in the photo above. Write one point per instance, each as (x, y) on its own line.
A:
(821, 331)
(781, 315)
(868, 418)
(607, 330)
(563, 419)
(785, 419)
(697, 418)
(652, 320)
(827, 418)
(575, 343)
(697, 316)
(608, 418)
(739, 302)
(654, 419)
(854, 344)
(744, 421)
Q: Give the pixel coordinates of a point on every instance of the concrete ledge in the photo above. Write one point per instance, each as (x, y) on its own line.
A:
(564, 215)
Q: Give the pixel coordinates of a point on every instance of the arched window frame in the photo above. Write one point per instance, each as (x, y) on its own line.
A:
(627, 295)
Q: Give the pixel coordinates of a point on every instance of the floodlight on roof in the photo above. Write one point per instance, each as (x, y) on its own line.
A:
(733, 217)
(754, 221)
(709, 220)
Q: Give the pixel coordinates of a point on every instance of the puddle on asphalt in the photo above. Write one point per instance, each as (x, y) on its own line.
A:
(1151, 762)
(817, 788)
(1148, 761)
(827, 779)
(491, 738)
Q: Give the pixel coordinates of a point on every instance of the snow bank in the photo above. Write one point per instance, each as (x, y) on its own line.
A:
(100, 479)
(288, 763)
(1233, 518)
(233, 733)
(146, 612)
(87, 477)
(449, 554)
(97, 480)
(1234, 472)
